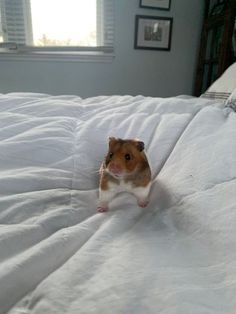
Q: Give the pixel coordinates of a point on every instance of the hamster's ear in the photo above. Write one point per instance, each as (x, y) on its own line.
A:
(112, 141)
(140, 145)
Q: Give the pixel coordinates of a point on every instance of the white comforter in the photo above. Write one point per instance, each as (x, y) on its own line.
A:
(57, 255)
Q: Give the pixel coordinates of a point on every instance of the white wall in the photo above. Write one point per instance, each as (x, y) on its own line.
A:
(154, 73)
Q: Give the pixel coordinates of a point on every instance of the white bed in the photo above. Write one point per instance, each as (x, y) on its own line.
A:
(58, 255)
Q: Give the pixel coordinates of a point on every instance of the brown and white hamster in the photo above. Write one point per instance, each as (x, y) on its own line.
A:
(125, 169)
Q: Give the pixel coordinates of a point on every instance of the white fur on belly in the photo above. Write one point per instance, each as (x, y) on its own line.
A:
(139, 192)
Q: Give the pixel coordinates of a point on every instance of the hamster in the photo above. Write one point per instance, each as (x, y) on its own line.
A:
(125, 169)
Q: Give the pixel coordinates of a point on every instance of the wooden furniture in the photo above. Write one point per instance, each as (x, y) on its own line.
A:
(217, 51)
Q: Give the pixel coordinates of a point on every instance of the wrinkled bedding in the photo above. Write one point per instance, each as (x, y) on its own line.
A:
(57, 255)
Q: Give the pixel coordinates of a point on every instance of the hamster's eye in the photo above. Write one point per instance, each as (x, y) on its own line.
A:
(127, 156)
(111, 155)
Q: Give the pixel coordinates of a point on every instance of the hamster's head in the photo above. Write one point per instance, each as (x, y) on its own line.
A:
(124, 157)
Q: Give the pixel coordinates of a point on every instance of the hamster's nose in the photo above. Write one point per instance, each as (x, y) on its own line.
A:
(115, 168)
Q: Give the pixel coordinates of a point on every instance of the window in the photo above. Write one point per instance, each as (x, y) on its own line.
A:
(56, 28)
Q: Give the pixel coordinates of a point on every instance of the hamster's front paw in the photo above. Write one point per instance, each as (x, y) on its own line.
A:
(102, 209)
(143, 203)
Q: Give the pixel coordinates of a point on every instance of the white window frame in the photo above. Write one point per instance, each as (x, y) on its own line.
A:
(102, 53)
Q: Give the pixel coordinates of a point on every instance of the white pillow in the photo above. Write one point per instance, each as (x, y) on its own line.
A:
(222, 88)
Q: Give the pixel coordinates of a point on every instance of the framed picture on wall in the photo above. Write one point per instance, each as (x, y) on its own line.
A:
(153, 32)
(155, 4)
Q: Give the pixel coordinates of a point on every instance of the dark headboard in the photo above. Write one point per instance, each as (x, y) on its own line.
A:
(217, 47)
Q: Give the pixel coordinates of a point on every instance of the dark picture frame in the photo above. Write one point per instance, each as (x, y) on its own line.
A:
(153, 32)
(155, 4)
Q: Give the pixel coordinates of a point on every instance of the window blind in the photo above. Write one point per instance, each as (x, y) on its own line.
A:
(16, 21)
(105, 23)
